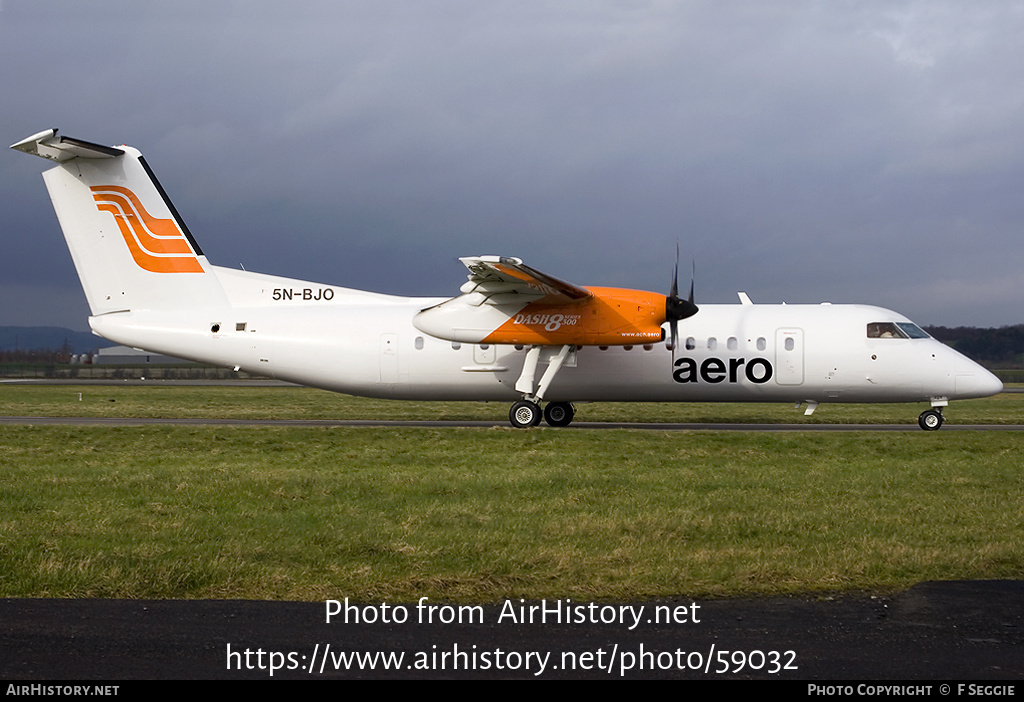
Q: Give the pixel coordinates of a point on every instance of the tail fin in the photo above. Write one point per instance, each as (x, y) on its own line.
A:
(130, 247)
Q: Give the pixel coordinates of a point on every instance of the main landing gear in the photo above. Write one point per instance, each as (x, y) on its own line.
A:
(526, 412)
(930, 420)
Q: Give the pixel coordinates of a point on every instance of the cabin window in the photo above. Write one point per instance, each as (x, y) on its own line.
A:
(712, 343)
(456, 345)
(691, 343)
(648, 347)
(732, 343)
(761, 343)
(790, 343)
(215, 327)
(239, 326)
(418, 343)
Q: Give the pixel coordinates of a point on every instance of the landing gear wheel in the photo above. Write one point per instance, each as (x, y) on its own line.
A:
(524, 414)
(559, 414)
(930, 420)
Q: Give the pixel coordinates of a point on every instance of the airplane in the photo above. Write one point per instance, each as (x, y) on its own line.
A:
(149, 286)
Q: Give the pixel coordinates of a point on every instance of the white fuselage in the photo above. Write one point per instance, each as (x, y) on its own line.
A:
(149, 285)
(365, 344)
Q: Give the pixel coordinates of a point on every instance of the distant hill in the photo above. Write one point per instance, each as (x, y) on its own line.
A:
(996, 348)
(48, 339)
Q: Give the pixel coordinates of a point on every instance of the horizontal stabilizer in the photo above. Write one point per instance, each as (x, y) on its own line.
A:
(60, 148)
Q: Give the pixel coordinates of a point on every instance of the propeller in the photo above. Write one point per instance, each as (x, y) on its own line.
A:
(677, 308)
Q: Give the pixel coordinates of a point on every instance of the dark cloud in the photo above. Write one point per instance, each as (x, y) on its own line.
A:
(847, 151)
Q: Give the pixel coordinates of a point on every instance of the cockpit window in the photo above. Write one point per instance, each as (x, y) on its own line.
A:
(884, 330)
(895, 330)
(912, 330)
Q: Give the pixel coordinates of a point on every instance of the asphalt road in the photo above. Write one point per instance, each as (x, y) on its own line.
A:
(653, 426)
(933, 631)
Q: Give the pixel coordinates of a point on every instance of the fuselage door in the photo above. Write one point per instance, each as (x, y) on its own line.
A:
(789, 356)
(389, 358)
(484, 354)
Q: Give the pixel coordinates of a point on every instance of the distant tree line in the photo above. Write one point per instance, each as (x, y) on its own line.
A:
(61, 355)
(995, 348)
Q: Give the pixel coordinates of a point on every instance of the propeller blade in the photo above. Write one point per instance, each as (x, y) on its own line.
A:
(674, 290)
(693, 275)
(677, 308)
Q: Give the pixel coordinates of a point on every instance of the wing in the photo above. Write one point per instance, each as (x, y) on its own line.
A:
(507, 302)
(502, 280)
(498, 291)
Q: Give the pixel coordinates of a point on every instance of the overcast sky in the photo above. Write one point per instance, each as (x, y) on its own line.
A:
(801, 151)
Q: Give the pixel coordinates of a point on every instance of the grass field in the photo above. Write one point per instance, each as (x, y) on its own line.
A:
(241, 401)
(481, 514)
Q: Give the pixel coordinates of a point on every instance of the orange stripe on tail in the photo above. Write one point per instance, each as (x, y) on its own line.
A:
(156, 245)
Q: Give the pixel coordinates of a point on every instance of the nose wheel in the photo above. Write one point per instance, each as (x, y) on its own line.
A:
(930, 420)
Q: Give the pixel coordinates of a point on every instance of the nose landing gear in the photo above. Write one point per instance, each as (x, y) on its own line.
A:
(930, 420)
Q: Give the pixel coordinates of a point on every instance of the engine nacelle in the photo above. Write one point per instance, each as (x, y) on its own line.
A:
(610, 317)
